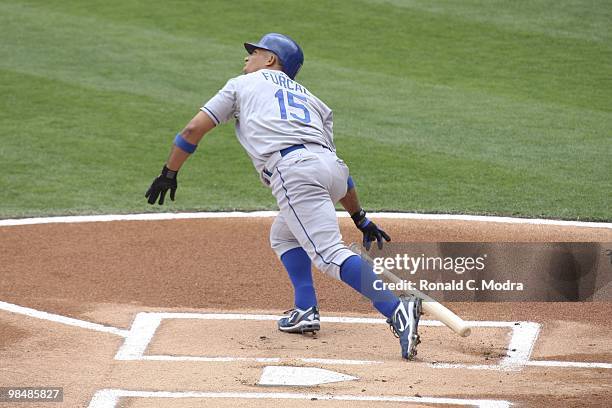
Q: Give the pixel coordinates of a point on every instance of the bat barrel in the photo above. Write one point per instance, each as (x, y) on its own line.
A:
(446, 316)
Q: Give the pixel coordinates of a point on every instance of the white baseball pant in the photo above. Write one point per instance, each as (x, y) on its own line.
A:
(307, 183)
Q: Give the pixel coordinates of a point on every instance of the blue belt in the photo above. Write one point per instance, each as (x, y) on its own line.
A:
(283, 153)
(289, 149)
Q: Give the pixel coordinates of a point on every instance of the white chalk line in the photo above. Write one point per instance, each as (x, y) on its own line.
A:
(146, 324)
(229, 359)
(523, 336)
(155, 316)
(522, 339)
(109, 398)
(9, 307)
(268, 214)
(335, 361)
(567, 364)
(206, 359)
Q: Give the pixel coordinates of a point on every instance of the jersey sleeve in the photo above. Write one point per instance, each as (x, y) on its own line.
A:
(222, 107)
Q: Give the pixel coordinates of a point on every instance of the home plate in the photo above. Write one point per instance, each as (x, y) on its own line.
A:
(300, 376)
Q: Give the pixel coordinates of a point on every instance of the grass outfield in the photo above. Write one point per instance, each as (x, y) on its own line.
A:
(478, 107)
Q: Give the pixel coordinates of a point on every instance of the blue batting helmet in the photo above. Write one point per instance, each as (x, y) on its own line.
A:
(288, 51)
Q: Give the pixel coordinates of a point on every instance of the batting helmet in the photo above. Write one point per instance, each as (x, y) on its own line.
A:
(288, 51)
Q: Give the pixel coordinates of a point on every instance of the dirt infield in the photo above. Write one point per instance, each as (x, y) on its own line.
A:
(132, 276)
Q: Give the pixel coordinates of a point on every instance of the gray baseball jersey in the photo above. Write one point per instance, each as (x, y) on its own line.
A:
(272, 112)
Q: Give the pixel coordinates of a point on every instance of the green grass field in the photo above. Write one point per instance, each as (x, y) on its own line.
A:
(477, 107)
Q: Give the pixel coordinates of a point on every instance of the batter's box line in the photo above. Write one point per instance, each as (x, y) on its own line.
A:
(109, 398)
(513, 357)
(523, 336)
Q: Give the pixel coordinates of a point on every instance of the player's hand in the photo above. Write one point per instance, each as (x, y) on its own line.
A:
(370, 230)
(160, 186)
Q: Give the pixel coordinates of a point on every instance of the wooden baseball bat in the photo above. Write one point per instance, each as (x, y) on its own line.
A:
(430, 305)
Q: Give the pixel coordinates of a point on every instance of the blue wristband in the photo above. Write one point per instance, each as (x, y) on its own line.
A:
(183, 144)
(350, 183)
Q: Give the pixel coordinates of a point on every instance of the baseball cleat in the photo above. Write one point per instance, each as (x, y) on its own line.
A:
(300, 321)
(404, 324)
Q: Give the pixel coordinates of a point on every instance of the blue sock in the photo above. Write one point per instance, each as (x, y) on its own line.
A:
(297, 263)
(358, 274)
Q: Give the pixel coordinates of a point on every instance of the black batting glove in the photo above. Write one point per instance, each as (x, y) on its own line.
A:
(370, 230)
(160, 186)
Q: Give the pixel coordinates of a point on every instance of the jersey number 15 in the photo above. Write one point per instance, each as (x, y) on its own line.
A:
(291, 101)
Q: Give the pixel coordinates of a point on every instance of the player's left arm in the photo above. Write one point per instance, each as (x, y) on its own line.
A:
(370, 230)
(185, 143)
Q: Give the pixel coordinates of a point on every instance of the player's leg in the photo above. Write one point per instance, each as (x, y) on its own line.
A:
(304, 191)
(300, 187)
(358, 274)
(298, 266)
(296, 261)
(305, 316)
(402, 314)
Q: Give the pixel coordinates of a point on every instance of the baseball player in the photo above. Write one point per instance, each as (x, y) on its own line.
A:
(287, 132)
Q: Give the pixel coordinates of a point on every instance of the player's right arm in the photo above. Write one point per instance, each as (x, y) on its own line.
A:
(192, 134)
(184, 145)
(218, 109)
